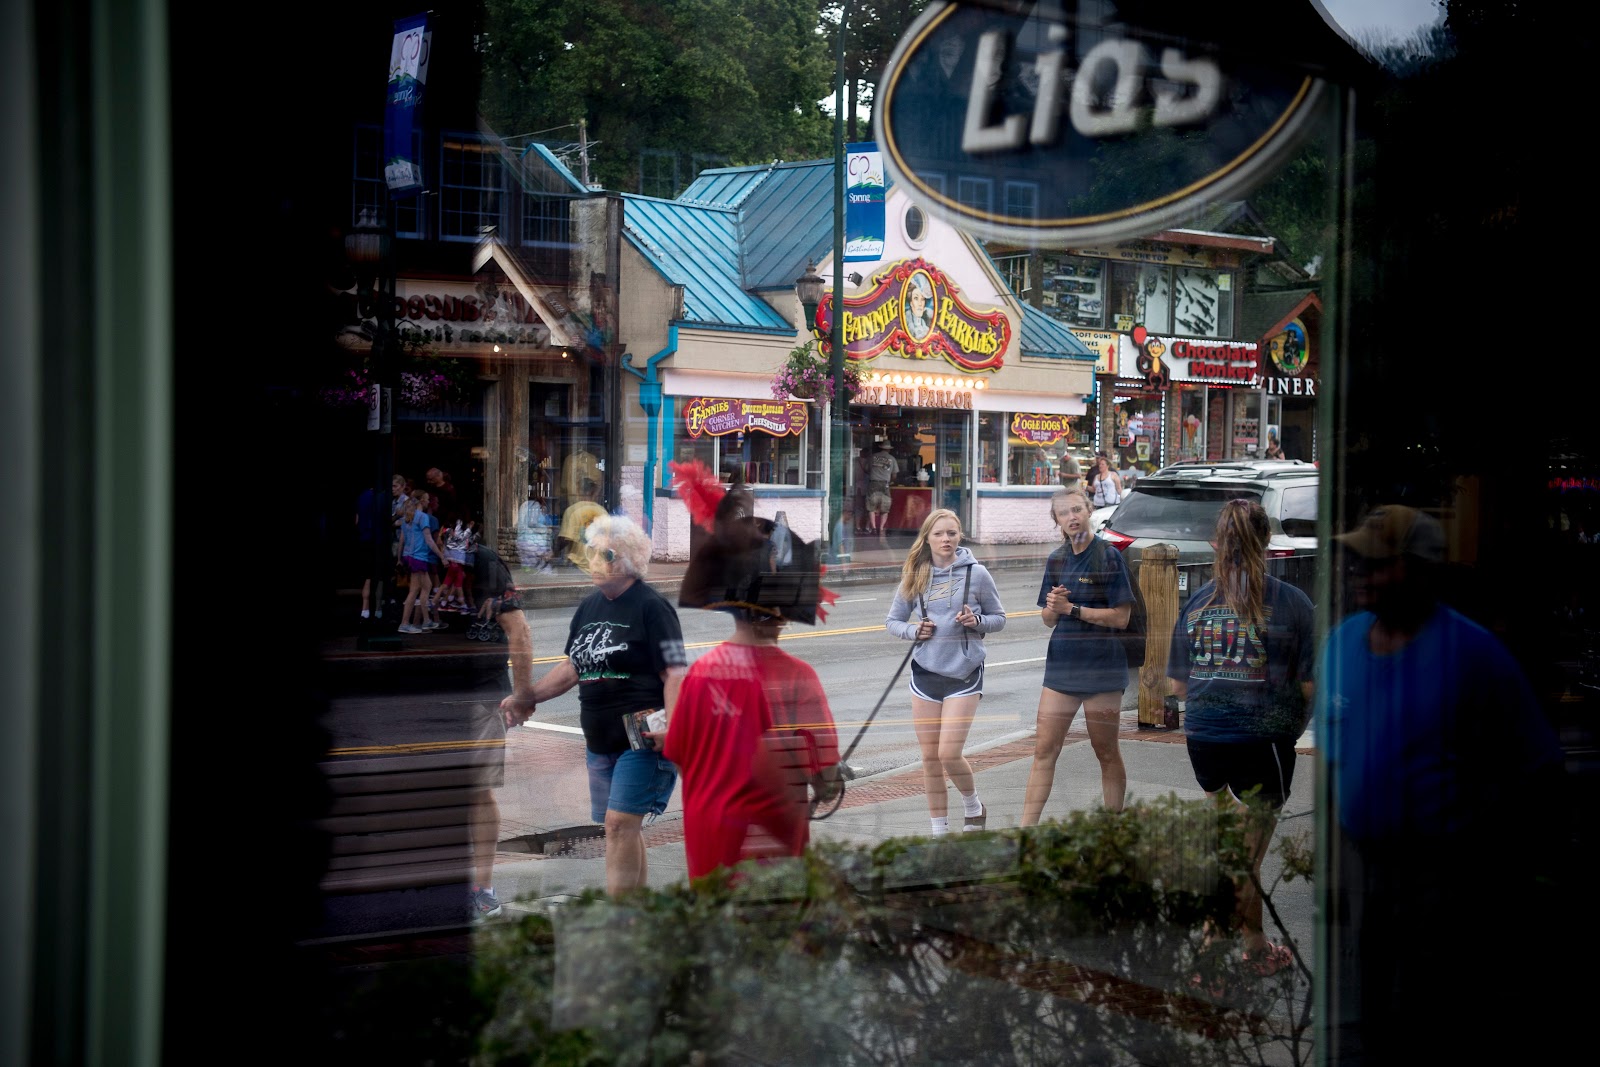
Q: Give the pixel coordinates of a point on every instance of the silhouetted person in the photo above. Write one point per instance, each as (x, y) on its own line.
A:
(1445, 776)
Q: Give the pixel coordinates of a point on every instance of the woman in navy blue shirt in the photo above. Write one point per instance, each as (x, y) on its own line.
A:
(1242, 652)
(1086, 597)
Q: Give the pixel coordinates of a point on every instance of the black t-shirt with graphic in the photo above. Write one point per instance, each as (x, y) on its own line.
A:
(620, 649)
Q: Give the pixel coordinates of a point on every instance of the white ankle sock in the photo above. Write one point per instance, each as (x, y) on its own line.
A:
(971, 805)
(940, 826)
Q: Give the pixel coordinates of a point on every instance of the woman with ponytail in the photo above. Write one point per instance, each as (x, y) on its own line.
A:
(1242, 653)
(946, 602)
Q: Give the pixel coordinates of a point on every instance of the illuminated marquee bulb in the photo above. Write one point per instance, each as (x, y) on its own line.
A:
(980, 384)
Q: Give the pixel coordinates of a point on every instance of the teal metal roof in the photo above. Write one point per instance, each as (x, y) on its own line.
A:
(559, 174)
(1046, 337)
(736, 231)
(697, 247)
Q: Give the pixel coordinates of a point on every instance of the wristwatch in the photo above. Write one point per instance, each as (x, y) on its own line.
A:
(1075, 612)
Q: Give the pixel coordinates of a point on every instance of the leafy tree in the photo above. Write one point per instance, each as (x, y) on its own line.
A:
(738, 79)
(874, 29)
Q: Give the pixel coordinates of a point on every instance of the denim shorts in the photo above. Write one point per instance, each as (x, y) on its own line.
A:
(633, 782)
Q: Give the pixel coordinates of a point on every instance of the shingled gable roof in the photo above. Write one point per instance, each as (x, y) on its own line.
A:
(1264, 314)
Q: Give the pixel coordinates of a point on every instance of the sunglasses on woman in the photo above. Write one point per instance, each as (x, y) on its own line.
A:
(607, 554)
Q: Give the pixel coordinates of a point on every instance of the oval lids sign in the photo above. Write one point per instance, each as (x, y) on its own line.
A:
(1021, 123)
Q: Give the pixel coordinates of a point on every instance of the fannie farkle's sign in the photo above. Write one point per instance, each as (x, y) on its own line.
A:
(1020, 123)
(914, 310)
(718, 416)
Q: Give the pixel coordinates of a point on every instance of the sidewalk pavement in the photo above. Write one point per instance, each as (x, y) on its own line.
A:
(534, 870)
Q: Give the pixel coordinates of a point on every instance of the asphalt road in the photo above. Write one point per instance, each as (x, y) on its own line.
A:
(855, 657)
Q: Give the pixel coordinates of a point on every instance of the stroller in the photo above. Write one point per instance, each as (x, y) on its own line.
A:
(492, 579)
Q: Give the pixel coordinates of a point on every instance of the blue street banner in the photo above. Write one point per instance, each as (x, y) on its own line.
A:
(408, 72)
(863, 203)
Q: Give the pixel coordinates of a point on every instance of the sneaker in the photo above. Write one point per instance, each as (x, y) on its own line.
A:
(429, 627)
(409, 629)
(485, 905)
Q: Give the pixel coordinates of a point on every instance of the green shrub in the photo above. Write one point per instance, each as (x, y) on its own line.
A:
(1075, 942)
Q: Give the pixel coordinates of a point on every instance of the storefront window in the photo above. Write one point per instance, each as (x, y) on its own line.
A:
(1247, 424)
(406, 867)
(1039, 443)
(1074, 289)
(766, 442)
(1191, 429)
(1139, 437)
(1203, 304)
(1140, 293)
(991, 445)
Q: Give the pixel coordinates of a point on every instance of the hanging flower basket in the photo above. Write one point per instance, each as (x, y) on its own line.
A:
(804, 376)
(423, 380)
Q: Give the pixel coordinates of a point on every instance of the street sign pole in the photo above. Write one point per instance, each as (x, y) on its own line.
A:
(839, 402)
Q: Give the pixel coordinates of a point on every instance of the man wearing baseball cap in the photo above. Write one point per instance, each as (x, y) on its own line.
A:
(1445, 774)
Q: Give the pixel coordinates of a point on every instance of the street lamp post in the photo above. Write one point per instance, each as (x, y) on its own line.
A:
(808, 287)
(840, 401)
(367, 247)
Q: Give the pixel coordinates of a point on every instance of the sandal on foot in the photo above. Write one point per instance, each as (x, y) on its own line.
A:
(975, 822)
(1269, 960)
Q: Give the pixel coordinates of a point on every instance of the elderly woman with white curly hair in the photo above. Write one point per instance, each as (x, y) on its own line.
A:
(625, 654)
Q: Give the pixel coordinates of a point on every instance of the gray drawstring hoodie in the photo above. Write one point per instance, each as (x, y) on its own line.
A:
(954, 650)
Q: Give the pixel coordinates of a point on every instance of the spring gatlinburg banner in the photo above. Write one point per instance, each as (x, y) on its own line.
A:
(863, 203)
(408, 72)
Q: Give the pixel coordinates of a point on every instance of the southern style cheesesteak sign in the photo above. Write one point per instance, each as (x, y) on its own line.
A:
(1078, 124)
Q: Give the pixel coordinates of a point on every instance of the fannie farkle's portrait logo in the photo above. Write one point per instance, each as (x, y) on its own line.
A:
(913, 309)
(917, 304)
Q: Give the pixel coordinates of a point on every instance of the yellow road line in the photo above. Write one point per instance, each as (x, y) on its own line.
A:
(415, 746)
(800, 635)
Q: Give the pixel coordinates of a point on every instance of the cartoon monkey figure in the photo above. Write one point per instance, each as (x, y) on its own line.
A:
(1150, 365)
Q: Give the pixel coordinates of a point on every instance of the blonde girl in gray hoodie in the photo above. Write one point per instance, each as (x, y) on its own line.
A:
(946, 602)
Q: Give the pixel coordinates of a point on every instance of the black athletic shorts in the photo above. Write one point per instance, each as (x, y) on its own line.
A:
(936, 687)
(1239, 766)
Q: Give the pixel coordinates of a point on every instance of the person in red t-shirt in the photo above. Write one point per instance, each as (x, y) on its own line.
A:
(751, 730)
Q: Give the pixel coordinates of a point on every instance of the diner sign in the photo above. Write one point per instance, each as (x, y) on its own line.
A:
(718, 416)
(1040, 429)
(913, 309)
(1065, 104)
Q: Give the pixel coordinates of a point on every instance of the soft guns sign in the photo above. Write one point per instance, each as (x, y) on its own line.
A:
(1061, 102)
(718, 416)
(1041, 429)
(914, 310)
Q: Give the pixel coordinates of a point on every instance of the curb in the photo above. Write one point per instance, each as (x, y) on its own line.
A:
(569, 594)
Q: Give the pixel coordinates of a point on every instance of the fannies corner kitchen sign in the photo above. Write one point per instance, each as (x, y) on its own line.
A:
(718, 416)
(914, 310)
(1096, 129)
